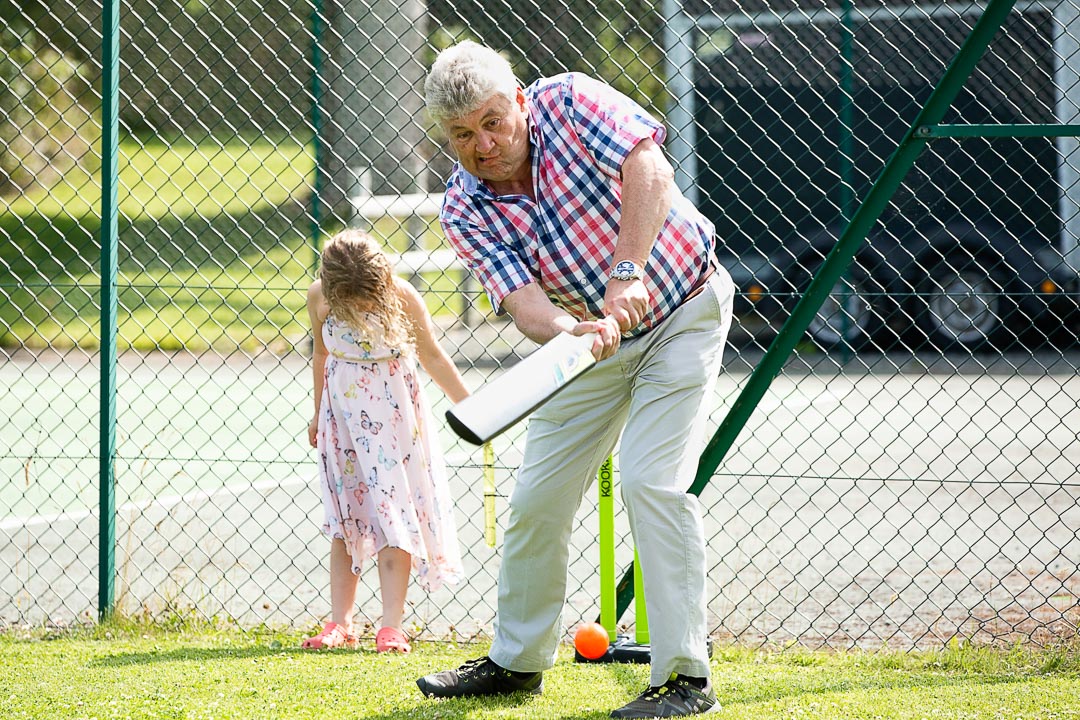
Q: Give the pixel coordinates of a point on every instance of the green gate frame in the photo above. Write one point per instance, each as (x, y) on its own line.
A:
(925, 127)
(110, 172)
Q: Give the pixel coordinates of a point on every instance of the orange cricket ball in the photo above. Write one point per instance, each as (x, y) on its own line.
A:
(591, 640)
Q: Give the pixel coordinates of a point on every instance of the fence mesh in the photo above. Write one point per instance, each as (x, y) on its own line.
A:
(912, 475)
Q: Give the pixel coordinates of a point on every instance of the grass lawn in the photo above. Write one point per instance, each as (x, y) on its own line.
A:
(128, 671)
(215, 250)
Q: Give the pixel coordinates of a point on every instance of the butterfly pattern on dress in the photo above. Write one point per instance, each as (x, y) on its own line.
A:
(376, 490)
(389, 395)
(414, 389)
(360, 492)
(386, 462)
(368, 424)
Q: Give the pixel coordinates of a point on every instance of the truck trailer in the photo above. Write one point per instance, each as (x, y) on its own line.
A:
(797, 112)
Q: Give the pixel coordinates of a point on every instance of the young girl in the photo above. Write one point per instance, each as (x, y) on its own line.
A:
(384, 484)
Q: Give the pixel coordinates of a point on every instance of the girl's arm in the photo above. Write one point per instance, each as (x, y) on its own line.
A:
(317, 312)
(431, 355)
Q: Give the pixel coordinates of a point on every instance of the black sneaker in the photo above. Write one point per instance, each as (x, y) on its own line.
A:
(675, 698)
(480, 677)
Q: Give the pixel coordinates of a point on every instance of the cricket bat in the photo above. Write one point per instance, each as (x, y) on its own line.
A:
(527, 385)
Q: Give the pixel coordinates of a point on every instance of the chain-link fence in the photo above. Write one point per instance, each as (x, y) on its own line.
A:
(912, 474)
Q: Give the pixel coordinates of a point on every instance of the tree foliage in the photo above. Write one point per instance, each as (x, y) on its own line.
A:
(618, 42)
(45, 127)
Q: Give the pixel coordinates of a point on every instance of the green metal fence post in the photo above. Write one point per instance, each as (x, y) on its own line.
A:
(846, 87)
(846, 114)
(316, 124)
(110, 140)
(839, 258)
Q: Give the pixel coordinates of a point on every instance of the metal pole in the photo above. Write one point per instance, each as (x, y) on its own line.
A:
(110, 140)
(1067, 110)
(316, 125)
(839, 258)
(846, 84)
(682, 131)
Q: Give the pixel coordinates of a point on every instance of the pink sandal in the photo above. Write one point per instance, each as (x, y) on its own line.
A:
(332, 636)
(390, 639)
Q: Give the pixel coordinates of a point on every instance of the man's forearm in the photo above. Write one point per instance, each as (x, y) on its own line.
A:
(646, 202)
(535, 315)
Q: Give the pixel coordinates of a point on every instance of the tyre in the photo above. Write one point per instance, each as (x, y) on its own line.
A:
(846, 316)
(962, 306)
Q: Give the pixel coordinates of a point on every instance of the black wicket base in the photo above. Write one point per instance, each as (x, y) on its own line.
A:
(625, 650)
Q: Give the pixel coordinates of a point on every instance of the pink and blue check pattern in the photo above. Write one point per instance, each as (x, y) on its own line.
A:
(582, 131)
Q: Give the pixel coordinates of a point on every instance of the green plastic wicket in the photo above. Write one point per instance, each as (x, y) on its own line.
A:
(608, 592)
(607, 548)
(641, 618)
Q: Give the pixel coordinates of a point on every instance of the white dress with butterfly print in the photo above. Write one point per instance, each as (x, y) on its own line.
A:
(384, 482)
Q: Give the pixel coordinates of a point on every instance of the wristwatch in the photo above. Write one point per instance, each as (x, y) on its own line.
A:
(626, 270)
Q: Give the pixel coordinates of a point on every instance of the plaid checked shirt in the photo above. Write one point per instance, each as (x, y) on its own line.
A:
(581, 132)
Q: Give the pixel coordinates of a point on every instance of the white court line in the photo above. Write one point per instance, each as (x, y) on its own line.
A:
(16, 523)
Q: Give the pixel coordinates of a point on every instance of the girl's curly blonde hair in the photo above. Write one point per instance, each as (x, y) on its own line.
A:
(358, 284)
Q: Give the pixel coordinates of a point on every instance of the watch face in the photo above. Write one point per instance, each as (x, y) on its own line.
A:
(626, 270)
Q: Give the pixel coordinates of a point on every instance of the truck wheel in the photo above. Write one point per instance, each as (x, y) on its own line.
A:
(962, 306)
(846, 316)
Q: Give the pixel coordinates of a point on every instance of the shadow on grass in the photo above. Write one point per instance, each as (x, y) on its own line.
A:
(567, 681)
(522, 704)
(829, 681)
(235, 269)
(758, 697)
(423, 707)
(46, 246)
(202, 655)
(225, 279)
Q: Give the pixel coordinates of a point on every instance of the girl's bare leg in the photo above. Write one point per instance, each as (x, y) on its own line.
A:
(342, 585)
(394, 567)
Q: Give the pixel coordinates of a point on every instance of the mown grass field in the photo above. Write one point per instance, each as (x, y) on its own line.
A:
(124, 670)
(216, 249)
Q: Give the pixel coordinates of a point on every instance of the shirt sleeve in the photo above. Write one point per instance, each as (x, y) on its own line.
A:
(494, 263)
(608, 124)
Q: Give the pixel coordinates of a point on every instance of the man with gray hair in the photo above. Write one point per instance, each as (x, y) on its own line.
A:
(563, 205)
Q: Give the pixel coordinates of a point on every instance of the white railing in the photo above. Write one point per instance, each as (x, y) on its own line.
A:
(414, 212)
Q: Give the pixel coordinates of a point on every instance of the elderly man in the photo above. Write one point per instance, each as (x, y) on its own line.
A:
(563, 206)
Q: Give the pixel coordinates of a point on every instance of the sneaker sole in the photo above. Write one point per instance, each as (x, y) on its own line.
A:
(715, 708)
(429, 692)
(424, 688)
